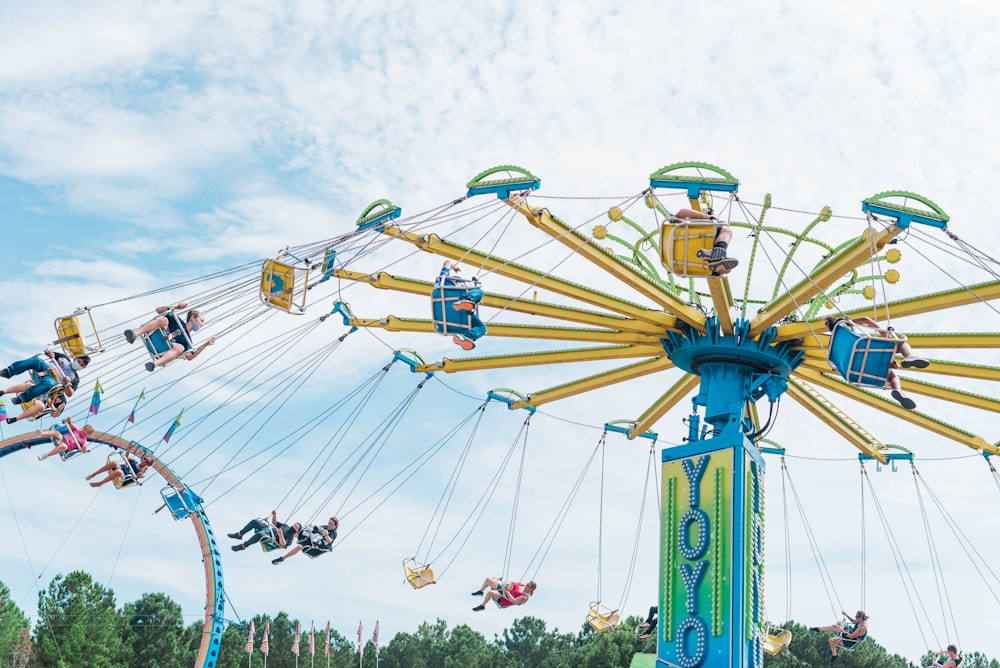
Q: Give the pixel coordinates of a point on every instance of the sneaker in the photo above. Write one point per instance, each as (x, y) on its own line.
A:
(238, 547)
(644, 625)
(464, 305)
(914, 362)
(130, 336)
(814, 628)
(11, 420)
(4, 373)
(477, 593)
(16, 399)
(150, 366)
(726, 263)
(904, 401)
(237, 536)
(463, 343)
(478, 608)
(277, 561)
(643, 636)
(41, 457)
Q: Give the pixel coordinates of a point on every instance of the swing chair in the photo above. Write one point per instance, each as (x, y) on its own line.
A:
(685, 246)
(70, 334)
(161, 341)
(278, 287)
(455, 307)
(862, 354)
(418, 574)
(601, 618)
(129, 477)
(774, 640)
(180, 502)
(69, 438)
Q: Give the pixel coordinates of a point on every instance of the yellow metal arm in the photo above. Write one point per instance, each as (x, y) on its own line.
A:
(722, 299)
(886, 406)
(577, 334)
(595, 382)
(586, 248)
(843, 263)
(839, 421)
(543, 357)
(385, 281)
(434, 244)
(667, 400)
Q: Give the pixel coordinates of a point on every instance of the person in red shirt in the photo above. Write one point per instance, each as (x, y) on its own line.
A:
(505, 593)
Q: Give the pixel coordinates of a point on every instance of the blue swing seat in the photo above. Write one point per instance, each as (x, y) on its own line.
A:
(180, 502)
(863, 355)
(160, 341)
(444, 295)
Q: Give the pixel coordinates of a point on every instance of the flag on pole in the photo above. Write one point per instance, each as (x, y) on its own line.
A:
(375, 639)
(173, 427)
(131, 416)
(326, 648)
(249, 648)
(95, 401)
(295, 643)
(361, 647)
(267, 633)
(312, 639)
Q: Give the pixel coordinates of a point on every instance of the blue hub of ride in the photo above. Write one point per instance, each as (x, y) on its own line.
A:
(733, 367)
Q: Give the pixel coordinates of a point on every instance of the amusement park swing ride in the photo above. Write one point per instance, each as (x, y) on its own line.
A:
(726, 347)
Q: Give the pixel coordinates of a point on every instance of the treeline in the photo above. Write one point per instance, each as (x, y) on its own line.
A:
(80, 626)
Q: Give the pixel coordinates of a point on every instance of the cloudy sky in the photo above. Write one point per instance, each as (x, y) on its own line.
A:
(145, 144)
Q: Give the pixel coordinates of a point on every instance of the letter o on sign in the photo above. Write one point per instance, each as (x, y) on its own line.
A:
(696, 551)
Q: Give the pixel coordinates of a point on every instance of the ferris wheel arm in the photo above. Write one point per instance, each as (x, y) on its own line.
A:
(888, 407)
(542, 357)
(595, 382)
(936, 301)
(384, 281)
(393, 323)
(849, 259)
(839, 421)
(677, 392)
(434, 244)
(588, 249)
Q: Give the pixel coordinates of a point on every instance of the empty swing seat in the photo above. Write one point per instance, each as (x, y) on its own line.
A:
(180, 502)
(70, 335)
(774, 640)
(863, 355)
(680, 244)
(418, 574)
(602, 618)
(444, 295)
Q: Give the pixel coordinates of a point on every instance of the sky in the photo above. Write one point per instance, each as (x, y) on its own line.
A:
(146, 144)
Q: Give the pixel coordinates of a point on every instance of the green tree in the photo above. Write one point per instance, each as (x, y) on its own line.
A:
(79, 625)
(811, 648)
(12, 621)
(528, 644)
(154, 632)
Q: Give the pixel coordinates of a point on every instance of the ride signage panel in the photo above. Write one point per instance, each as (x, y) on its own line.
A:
(711, 558)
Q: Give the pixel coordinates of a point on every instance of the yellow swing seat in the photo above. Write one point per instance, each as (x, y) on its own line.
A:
(601, 618)
(417, 574)
(70, 334)
(680, 243)
(774, 640)
(278, 285)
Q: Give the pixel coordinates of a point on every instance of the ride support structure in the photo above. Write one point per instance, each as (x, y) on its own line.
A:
(711, 594)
